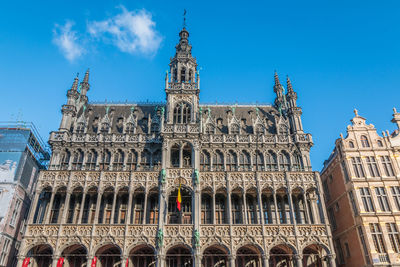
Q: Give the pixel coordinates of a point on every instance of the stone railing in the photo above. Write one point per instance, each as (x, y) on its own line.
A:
(104, 138)
(249, 138)
(181, 128)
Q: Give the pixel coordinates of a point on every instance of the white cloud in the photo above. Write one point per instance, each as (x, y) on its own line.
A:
(131, 31)
(67, 41)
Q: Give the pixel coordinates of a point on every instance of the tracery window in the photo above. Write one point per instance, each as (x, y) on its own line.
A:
(298, 163)
(220, 217)
(77, 160)
(236, 210)
(209, 128)
(364, 141)
(145, 158)
(156, 158)
(206, 210)
(245, 161)
(118, 163)
(218, 161)
(258, 161)
(182, 113)
(270, 161)
(204, 161)
(91, 160)
(130, 128)
(105, 160)
(175, 156)
(153, 209)
(183, 75)
(187, 156)
(80, 128)
(131, 161)
(231, 161)
(284, 162)
(65, 157)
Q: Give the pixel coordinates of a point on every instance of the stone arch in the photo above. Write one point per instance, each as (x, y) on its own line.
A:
(43, 204)
(108, 255)
(251, 198)
(282, 254)
(249, 255)
(75, 255)
(141, 255)
(179, 255)
(314, 254)
(41, 254)
(215, 255)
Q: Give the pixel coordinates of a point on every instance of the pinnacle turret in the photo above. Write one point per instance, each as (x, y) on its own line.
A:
(85, 86)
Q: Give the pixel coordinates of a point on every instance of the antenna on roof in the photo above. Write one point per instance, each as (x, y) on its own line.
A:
(184, 18)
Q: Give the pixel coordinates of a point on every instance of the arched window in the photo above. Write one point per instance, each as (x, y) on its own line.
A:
(204, 161)
(187, 156)
(131, 162)
(65, 157)
(77, 160)
(270, 161)
(175, 156)
(380, 144)
(351, 144)
(206, 210)
(105, 160)
(183, 75)
(231, 161)
(182, 113)
(145, 160)
(175, 75)
(218, 161)
(364, 141)
(220, 212)
(245, 161)
(156, 158)
(258, 161)
(234, 129)
(118, 161)
(91, 160)
(284, 162)
(298, 163)
(237, 209)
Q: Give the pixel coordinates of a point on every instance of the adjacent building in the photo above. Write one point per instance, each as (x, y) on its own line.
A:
(179, 183)
(22, 155)
(361, 180)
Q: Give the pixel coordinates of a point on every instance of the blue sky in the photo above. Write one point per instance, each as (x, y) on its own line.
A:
(340, 55)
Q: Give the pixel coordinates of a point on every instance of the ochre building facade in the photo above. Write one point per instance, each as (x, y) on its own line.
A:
(361, 181)
(248, 194)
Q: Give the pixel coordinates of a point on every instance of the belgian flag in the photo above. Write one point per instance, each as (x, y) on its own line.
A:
(179, 198)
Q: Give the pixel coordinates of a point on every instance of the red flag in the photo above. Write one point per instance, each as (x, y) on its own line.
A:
(179, 198)
(60, 262)
(26, 261)
(94, 262)
(127, 262)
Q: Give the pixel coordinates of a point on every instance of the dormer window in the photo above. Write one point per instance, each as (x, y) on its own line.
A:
(364, 141)
(209, 129)
(129, 128)
(190, 75)
(80, 128)
(380, 144)
(351, 144)
(234, 129)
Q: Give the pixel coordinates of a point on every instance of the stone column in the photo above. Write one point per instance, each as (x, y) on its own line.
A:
(98, 203)
(181, 156)
(66, 207)
(245, 221)
(54, 260)
(298, 259)
(260, 206)
(50, 206)
(265, 259)
(277, 220)
(308, 217)
(82, 207)
(145, 207)
(123, 261)
(113, 208)
(331, 261)
(213, 209)
(229, 200)
(231, 259)
(129, 211)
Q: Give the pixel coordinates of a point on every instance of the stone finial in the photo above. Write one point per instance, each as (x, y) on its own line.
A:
(276, 77)
(289, 84)
(86, 78)
(383, 133)
(394, 110)
(341, 135)
(356, 112)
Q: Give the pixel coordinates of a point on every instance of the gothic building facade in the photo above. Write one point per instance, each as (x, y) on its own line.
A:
(248, 194)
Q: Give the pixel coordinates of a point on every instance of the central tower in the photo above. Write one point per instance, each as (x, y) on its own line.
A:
(182, 84)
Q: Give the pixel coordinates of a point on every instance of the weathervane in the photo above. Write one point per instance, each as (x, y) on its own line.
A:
(184, 18)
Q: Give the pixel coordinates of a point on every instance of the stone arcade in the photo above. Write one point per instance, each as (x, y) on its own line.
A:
(249, 196)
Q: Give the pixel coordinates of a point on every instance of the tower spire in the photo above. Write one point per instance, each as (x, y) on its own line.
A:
(85, 86)
(289, 85)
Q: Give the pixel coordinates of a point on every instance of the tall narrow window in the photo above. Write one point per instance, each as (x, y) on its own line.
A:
(377, 237)
(382, 198)
(353, 203)
(130, 128)
(118, 161)
(387, 166)
(187, 156)
(339, 251)
(394, 236)
(175, 156)
(153, 209)
(364, 244)
(145, 160)
(218, 161)
(139, 209)
(258, 161)
(65, 160)
(270, 161)
(231, 161)
(236, 210)
(366, 199)
(91, 160)
(332, 218)
(77, 160)
(364, 141)
(357, 167)
(183, 75)
(284, 164)
(344, 169)
(396, 196)
(220, 217)
(182, 113)
(245, 161)
(131, 161)
(105, 161)
(156, 160)
(204, 161)
(206, 210)
(372, 166)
